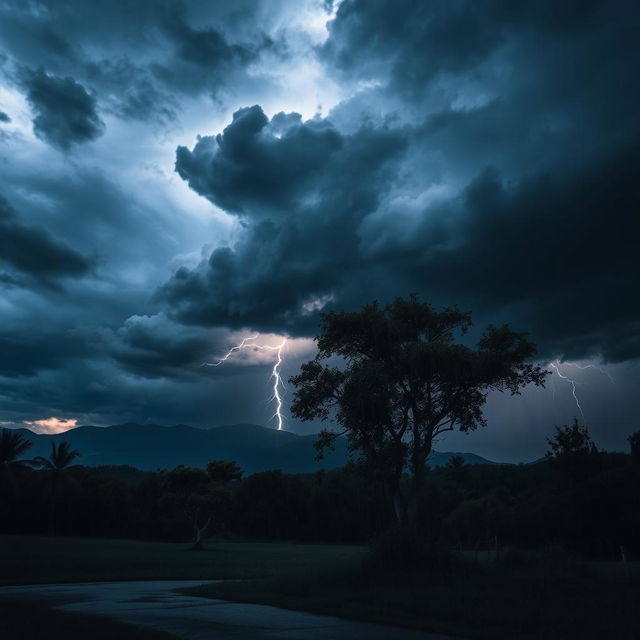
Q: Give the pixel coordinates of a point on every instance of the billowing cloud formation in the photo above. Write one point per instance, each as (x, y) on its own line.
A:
(302, 188)
(257, 169)
(154, 347)
(483, 154)
(509, 186)
(139, 58)
(65, 114)
(411, 42)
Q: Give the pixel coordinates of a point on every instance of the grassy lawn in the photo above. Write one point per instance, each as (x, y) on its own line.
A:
(21, 620)
(542, 598)
(492, 602)
(32, 560)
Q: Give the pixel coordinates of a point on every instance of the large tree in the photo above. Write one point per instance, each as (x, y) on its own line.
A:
(192, 491)
(404, 380)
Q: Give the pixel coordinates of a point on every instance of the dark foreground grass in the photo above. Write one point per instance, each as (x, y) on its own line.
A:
(549, 599)
(20, 620)
(536, 597)
(43, 560)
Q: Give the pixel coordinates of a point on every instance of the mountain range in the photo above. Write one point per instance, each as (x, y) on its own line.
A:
(254, 448)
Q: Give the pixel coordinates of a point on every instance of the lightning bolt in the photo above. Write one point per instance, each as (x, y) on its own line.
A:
(592, 366)
(572, 382)
(277, 381)
(275, 371)
(230, 352)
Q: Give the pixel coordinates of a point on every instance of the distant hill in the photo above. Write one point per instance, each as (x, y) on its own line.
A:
(254, 448)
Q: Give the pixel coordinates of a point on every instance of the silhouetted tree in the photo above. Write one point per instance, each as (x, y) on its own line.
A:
(191, 490)
(634, 444)
(55, 466)
(12, 447)
(455, 464)
(223, 471)
(572, 450)
(405, 381)
(456, 469)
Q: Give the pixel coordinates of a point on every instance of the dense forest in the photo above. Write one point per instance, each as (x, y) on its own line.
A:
(577, 499)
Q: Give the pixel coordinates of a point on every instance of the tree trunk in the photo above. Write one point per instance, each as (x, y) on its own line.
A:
(418, 470)
(198, 543)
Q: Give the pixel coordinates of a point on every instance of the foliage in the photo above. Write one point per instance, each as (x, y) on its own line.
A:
(191, 490)
(573, 452)
(525, 506)
(12, 446)
(405, 380)
(224, 471)
(55, 467)
(59, 459)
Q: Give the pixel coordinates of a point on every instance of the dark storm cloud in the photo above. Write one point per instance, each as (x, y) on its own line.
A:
(65, 113)
(302, 188)
(31, 251)
(484, 154)
(27, 350)
(4, 117)
(154, 347)
(139, 57)
(129, 91)
(409, 44)
(511, 194)
(412, 42)
(555, 254)
(202, 58)
(250, 167)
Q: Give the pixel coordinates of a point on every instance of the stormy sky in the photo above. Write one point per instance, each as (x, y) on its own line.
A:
(175, 176)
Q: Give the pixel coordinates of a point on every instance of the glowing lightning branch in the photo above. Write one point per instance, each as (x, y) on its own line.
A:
(275, 372)
(573, 384)
(230, 352)
(592, 366)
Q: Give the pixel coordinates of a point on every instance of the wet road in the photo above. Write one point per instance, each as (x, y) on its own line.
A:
(158, 604)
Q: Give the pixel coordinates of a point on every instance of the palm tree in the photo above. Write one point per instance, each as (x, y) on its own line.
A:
(55, 465)
(12, 447)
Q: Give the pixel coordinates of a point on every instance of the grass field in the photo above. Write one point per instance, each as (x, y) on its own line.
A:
(543, 600)
(540, 598)
(32, 560)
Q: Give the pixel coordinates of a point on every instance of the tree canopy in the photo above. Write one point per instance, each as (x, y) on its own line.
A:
(404, 379)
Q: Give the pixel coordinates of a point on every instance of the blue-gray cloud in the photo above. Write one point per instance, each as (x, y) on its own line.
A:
(33, 255)
(484, 154)
(65, 113)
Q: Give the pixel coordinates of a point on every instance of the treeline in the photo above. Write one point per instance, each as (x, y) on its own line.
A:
(123, 502)
(578, 499)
